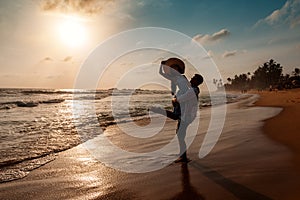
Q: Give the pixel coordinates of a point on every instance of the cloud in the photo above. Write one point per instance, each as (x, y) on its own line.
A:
(277, 14)
(67, 59)
(85, 7)
(289, 14)
(47, 59)
(229, 53)
(209, 55)
(211, 38)
(51, 77)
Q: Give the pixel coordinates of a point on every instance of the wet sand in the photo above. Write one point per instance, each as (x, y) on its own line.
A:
(244, 164)
(285, 127)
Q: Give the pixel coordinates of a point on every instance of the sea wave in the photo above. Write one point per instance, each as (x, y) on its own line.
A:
(13, 104)
(22, 169)
(31, 137)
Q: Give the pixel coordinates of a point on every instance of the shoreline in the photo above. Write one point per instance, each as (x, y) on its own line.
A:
(244, 164)
(284, 127)
(12, 171)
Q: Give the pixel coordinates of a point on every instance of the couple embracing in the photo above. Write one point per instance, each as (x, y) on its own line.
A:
(185, 99)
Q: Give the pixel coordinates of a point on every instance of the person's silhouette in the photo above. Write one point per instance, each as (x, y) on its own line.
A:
(185, 101)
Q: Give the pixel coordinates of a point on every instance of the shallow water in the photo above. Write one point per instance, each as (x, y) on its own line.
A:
(36, 124)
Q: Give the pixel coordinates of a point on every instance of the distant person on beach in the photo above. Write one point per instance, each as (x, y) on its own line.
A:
(185, 102)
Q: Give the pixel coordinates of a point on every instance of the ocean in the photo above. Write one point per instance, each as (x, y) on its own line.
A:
(36, 124)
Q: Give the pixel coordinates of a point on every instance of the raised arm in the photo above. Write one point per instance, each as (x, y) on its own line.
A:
(165, 75)
(169, 77)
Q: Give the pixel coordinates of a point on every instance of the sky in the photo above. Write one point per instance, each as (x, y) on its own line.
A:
(43, 43)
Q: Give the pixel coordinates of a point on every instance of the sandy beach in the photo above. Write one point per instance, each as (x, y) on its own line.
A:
(284, 128)
(244, 164)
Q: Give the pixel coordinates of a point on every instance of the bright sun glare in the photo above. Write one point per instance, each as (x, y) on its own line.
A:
(72, 32)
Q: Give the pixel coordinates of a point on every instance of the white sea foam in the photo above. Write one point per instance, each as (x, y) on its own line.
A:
(31, 133)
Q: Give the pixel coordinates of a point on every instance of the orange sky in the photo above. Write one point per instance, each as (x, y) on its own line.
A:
(44, 43)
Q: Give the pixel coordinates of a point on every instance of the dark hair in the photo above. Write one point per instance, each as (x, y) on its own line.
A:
(177, 68)
(199, 78)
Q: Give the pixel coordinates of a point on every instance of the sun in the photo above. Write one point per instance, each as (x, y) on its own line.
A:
(72, 32)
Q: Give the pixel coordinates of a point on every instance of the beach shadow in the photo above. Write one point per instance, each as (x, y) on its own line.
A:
(238, 190)
(188, 191)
